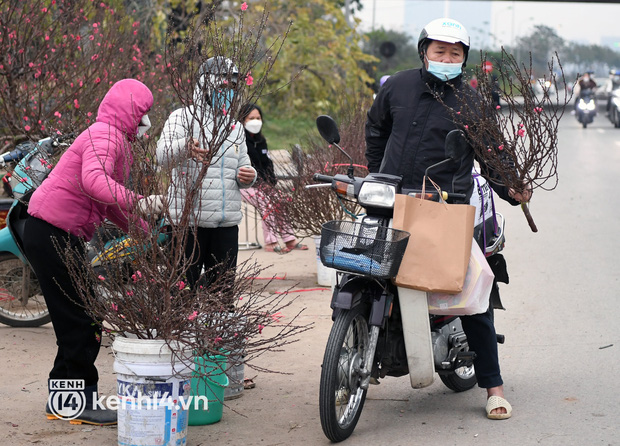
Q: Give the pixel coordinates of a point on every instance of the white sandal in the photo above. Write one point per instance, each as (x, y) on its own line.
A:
(495, 402)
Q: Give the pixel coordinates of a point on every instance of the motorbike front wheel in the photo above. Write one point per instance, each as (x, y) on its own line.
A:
(21, 300)
(341, 398)
(615, 117)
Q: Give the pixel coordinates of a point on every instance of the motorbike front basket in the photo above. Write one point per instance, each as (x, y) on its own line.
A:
(371, 250)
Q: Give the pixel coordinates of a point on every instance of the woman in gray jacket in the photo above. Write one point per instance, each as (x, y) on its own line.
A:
(212, 200)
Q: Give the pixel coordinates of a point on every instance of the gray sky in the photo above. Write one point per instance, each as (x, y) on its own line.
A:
(590, 23)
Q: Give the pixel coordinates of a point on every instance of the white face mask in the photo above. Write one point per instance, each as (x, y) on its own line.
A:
(444, 71)
(253, 126)
(144, 126)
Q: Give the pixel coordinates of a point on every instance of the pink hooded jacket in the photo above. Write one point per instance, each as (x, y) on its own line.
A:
(87, 184)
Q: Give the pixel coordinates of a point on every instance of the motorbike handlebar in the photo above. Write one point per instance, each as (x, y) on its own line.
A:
(24, 148)
(14, 155)
(63, 138)
(322, 178)
(452, 196)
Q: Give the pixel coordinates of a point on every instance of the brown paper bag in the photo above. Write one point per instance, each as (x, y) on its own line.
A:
(439, 247)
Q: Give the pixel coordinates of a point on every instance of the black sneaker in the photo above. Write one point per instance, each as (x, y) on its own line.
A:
(99, 417)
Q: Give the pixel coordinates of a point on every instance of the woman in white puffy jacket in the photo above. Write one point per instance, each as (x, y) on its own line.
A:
(189, 135)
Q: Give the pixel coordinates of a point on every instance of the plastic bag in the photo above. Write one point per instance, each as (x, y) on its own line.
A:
(474, 298)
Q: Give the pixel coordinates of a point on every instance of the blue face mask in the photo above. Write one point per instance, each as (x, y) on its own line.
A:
(222, 99)
(444, 71)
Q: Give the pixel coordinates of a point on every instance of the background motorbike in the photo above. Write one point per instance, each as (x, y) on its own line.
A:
(585, 109)
(21, 301)
(613, 108)
(379, 329)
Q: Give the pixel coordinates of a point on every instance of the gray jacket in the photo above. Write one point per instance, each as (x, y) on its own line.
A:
(219, 201)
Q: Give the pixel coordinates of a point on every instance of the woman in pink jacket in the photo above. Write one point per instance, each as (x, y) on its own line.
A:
(85, 187)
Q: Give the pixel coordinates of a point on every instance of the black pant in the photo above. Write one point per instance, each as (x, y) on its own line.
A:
(78, 336)
(482, 339)
(210, 248)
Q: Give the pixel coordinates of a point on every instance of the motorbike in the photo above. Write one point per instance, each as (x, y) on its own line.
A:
(613, 108)
(585, 109)
(381, 329)
(21, 301)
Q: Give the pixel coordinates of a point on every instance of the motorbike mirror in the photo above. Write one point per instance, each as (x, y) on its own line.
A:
(456, 145)
(328, 129)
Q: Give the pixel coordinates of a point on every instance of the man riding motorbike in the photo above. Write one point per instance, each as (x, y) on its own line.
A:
(405, 134)
(586, 86)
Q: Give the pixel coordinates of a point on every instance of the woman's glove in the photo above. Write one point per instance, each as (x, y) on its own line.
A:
(153, 204)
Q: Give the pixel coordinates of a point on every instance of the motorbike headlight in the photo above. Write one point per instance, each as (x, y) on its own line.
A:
(582, 104)
(377, 195)
(616, 102)
(590, 105)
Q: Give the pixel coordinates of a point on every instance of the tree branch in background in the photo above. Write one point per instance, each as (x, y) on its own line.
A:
(305, 210)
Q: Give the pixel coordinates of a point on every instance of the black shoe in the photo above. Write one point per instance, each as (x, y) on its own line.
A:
(99, 417)
(49, 414)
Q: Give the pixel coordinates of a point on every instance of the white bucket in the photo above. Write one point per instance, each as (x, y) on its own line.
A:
(153, 391)
(235, 370)
(324, 276)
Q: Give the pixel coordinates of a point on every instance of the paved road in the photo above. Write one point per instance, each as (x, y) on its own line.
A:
(560, 361)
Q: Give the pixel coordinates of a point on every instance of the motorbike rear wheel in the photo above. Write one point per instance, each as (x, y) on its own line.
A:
(21, 301)
(460, 380)
(341, 398)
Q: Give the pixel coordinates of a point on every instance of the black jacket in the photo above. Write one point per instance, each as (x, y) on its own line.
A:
(407, 126)
(259, 156)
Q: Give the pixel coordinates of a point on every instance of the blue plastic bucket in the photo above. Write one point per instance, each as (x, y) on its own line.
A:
(211, 385)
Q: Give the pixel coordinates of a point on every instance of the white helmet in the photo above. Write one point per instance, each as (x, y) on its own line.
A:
(444, 30)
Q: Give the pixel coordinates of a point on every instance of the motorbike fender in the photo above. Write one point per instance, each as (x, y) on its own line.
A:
(378, 311)
(7, 243)
(417, 335)
(348, 293)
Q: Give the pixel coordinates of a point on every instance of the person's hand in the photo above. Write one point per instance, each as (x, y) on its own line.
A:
(153, 204)
(246, 175)
(523, 195)
(195, 151)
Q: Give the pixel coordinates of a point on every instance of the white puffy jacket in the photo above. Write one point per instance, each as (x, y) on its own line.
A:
(219, 201)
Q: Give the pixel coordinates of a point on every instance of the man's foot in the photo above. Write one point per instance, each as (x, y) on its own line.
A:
(497, 407)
